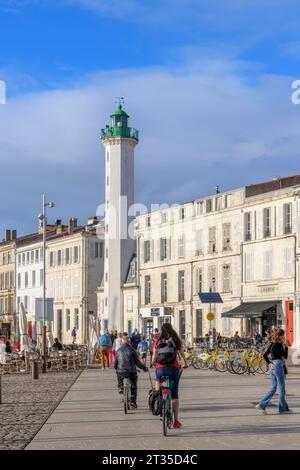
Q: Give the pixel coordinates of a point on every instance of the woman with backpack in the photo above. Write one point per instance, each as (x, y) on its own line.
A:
(165, 358)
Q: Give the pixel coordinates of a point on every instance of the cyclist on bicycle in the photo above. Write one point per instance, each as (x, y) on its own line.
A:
(126, 364)
(165, 358)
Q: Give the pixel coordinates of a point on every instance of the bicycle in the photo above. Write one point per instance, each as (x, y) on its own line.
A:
(167, 410)
(126, 395)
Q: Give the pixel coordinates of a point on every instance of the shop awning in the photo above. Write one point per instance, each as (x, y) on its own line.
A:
(251, 309)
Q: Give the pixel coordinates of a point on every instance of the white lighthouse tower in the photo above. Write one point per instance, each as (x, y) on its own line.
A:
(119, 142)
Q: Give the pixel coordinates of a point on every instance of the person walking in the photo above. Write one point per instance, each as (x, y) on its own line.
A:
(111, 350)
(278, 351)
(117, 342)
(104, 345)
(74, 335)
(135, 339)
(151, 347)
(166, 349)
(126, 364)
(142, 350)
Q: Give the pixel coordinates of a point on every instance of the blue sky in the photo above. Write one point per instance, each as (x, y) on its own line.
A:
(207, 83)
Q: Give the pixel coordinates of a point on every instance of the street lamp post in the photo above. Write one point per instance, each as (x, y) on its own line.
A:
(43, 218)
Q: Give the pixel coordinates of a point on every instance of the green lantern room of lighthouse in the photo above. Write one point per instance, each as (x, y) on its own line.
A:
(119, 126)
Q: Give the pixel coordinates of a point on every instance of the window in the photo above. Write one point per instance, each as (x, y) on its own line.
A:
(199, 331)
(247, 226)
(68, 319)
(19, 281)
(164, 287)
(33, 278)
(212, 240)
(212, 278)
(26, 302)
(163, 249)
(147, 290)
(32, 257)
(41, 254)
(101, 250)
(148, 221)
(209, 205)
(181, 286)
(130, 303)
(248, 267)
(199, 208)
(226, 278)
(199, 281)
(164, 217)
(59, 258)
(218, 203)
(27, 257)
(107, 180)
(67, 255)
(76, 317)
(106, 252)
(41, 277)
(227, 201)
(107, 156)
(181, 213)
(23, 258)
(37, 255)
(287, 218)
(226, 237)
(132, 270)
(147, 251)
(51, 258)
(76, 254)
(267, 222)
(181, 246)
(182, 324)
(19, 259)
(267, 264)
(26, 280)
(198, 242)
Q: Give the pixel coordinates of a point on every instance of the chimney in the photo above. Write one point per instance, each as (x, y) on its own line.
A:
(93, 220)
(72, 225)
(14, 235)
(7, 235)
(59, 227)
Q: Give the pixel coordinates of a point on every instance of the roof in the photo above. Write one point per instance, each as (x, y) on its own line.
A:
(119, 112)
(273, 185)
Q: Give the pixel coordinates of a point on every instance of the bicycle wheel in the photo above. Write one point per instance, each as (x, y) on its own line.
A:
(165, 418)
(125, 397)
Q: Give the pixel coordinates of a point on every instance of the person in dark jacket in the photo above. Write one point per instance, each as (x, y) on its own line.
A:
(275, 354)
(126, 364)
(135, 339)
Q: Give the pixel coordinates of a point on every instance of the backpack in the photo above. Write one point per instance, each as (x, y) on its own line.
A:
(155, 402)
(166, 352)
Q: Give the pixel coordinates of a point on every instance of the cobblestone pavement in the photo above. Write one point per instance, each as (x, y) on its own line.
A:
(217, 411)
(27, 403)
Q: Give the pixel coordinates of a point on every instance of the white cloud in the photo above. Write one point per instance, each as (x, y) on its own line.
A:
(199, 124)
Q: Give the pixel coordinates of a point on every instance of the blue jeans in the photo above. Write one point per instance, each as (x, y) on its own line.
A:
(277, 380)
(173, 374)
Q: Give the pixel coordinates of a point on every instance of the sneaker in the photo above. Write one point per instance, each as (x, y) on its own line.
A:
(258, 407)
(177, 424)
(120, 390)
(133, 405)
(287, 412)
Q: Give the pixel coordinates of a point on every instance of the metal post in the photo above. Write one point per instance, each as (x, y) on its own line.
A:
(44, 369)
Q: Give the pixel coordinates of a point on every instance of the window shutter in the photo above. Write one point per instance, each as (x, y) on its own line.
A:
(169, 254)
(294, 216)
(280, 219)
(260, 223)
(158, 247)
(242, 225)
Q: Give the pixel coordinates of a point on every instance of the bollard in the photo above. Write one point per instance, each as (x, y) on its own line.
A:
(35, 370)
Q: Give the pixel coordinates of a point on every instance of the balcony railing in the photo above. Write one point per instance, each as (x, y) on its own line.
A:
(115, 131)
